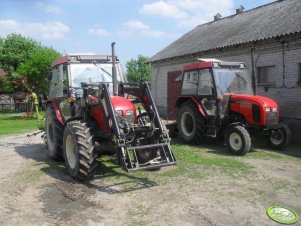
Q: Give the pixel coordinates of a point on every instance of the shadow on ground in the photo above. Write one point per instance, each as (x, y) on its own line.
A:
(217, 147)
(107, 172)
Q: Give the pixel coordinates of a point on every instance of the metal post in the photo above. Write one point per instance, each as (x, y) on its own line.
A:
(114, 74)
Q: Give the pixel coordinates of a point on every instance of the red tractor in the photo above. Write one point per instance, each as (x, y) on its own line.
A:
(89, 113)
(217, 99)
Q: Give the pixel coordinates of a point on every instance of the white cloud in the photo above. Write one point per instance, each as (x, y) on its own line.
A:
(136, 27)
(188, 13)
(100, 32)
(163, 8)
(52, 30)
(52, 9)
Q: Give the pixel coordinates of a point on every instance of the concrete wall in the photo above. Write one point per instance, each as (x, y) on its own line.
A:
(284, 54)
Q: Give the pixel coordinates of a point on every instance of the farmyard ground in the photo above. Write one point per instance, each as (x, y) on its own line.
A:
(208, 187)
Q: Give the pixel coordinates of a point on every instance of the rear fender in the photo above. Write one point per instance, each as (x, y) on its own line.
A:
(57, 111)
(182, 100)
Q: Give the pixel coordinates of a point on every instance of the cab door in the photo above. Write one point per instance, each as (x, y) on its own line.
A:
(59, 89)
(206, 92)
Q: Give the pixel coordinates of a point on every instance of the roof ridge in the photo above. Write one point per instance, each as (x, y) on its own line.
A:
(246, 11)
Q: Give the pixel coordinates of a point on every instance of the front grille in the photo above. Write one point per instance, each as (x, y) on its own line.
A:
(130, 118)
(272, 118)
(256, 113)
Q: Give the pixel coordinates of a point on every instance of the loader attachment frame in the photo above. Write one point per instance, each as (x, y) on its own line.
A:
(150, 140)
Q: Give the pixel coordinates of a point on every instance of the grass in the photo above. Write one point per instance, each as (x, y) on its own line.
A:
(193, 162)
(11, 124)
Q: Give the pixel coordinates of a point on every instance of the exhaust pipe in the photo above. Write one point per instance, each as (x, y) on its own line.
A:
(114, 73)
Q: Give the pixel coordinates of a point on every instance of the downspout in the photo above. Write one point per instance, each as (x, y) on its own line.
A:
(253, 71)
(283, 64)
(156, 82)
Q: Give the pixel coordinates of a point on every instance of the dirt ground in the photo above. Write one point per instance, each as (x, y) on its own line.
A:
(38, 191)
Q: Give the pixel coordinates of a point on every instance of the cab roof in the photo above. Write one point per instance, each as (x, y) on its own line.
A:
(213, 63)
(84, 58)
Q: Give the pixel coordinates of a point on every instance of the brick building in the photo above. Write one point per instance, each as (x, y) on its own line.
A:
(267, 39)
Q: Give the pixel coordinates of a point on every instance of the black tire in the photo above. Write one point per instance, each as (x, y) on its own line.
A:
(280, 138)
(79, 151)
(54, 134)
(190, 124)
(145, 156)
(238, 140)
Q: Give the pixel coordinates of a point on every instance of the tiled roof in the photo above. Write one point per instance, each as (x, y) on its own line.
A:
(268, 21)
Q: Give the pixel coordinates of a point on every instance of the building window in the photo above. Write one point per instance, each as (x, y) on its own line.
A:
(266, 75)
(299, 75)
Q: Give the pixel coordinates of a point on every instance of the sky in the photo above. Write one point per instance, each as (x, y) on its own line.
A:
(137, 26)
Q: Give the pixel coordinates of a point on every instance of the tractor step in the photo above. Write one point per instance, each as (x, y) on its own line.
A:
(211, 131)
(132, 162)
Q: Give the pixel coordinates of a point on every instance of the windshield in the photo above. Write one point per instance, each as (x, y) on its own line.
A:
(232, 80)
(93, 73)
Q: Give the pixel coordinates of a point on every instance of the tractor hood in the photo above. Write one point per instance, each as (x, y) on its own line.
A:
(250, 99)
(121, 104)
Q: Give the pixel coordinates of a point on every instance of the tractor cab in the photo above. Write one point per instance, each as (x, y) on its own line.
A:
(217, 99)
(68, 72)
(211, 82)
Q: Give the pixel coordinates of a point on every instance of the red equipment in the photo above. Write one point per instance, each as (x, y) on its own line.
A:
(217, 99)
(88, 113)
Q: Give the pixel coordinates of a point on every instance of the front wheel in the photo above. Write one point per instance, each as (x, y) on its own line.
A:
(280, 138)
(79, 151)
(238, 140)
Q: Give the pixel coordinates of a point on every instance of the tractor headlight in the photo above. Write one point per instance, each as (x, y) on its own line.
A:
(119, 113)
(267, 109)
(130, 112)
(275, 109)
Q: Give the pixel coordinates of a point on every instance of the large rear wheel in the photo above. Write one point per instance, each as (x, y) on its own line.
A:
(54, 134)
(238, 140)
(190, 124)
(79, 151)
(280, 138)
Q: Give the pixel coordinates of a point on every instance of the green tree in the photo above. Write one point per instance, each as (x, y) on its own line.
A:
(138, 71)
(24, 57)
(35, 69)
(16, 49)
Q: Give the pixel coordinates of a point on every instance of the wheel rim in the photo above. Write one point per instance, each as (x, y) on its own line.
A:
(187, 123)
(50, 135)
(70, 152)
(277, 137)
(235, 141)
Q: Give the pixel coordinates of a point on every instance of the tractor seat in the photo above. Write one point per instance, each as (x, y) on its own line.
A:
(209, 106)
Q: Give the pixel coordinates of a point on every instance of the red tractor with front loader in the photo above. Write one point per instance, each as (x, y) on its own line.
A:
(91, 111)
(217, 100)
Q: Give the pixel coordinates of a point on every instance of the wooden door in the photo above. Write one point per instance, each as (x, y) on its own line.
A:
(173, 91)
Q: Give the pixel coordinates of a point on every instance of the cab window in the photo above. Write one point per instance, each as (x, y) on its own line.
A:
(190, 83)
(206, 85)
